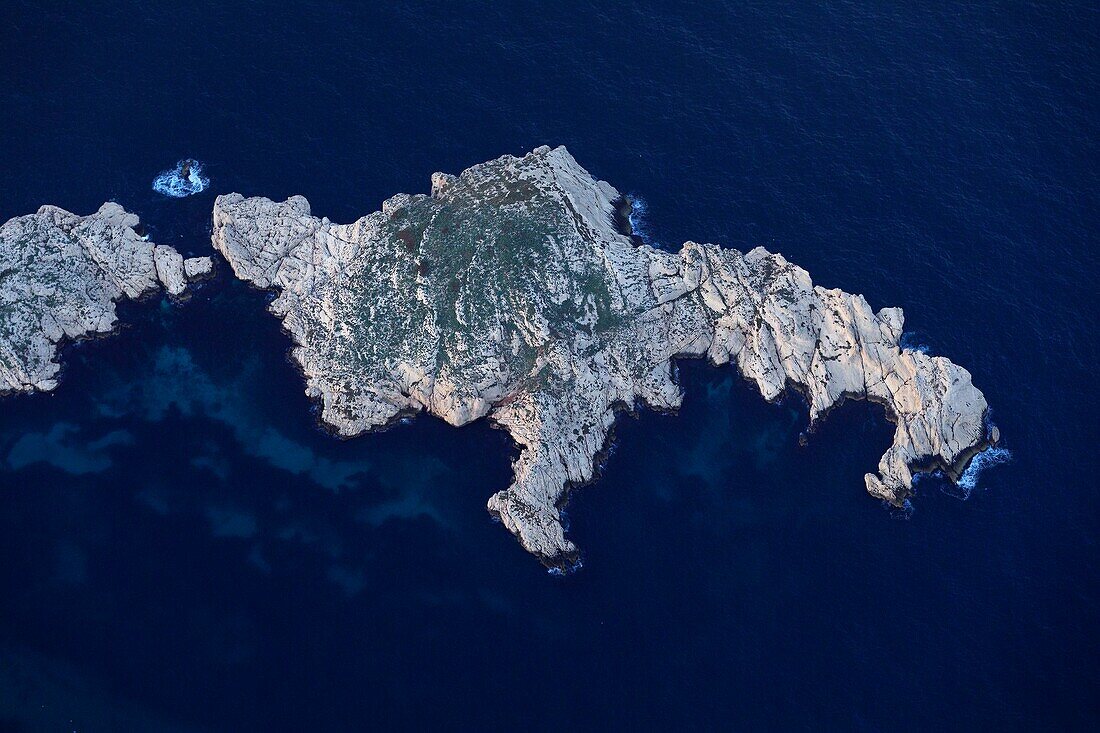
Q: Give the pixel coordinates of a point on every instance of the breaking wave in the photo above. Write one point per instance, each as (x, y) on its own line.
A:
(186, 179)
(913, 342)
(969, 480)
(639, 219)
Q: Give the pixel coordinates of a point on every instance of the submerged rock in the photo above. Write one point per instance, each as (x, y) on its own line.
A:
(509, 293)
(60, 276)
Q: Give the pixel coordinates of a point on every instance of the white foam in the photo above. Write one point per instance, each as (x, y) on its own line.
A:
(987, 458)
(911, 342)
(569, 569)
(638, 219)
(174, 184)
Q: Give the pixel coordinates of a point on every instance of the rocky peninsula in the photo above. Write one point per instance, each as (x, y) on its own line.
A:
(60, 276)
(510, 292)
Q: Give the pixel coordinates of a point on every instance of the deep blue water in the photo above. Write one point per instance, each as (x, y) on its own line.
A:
(182, 548)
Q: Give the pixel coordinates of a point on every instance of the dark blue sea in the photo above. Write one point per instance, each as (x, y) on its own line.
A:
(183, 548)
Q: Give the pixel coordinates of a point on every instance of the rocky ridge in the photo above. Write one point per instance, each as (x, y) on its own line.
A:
(509, 292)
(60, 276)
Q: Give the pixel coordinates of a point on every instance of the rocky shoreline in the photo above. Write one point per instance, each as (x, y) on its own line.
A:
(60, 277)
(515, 291)
(512, 292)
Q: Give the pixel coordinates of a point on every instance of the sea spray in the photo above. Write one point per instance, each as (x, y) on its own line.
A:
(912, 341)
(186, 179)
(639, 219)
(969, 479)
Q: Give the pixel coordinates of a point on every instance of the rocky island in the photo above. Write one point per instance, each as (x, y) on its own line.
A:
(511, 292)
(60, 276)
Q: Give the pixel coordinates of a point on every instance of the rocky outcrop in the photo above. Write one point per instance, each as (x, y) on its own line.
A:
(60, 276)
(175, 272)
(197, 268)
(509, 293)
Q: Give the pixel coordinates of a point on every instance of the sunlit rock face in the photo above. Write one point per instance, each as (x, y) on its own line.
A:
(509, 292)
(60, 276)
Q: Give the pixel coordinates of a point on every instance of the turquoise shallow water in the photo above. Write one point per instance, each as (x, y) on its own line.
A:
(184, 549)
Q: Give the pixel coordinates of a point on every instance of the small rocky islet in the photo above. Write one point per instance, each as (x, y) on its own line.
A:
(510, 292)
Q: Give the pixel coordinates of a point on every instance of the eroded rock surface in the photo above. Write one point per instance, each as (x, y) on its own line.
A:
(509, 292)
(60, 276)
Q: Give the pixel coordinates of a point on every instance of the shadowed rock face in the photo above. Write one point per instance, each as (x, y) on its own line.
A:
(60, 276)
(509, 292)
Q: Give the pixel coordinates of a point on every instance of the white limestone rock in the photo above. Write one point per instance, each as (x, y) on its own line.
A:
(60, 276)
(509, 293)
(169, 266)
(197, 268)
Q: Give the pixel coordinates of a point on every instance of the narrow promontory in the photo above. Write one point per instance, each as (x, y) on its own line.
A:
(60, 276)
(509, 292)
